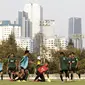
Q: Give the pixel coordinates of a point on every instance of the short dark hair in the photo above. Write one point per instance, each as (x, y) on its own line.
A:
(69, 54)
(26, 52)
(62, 53)
(73, 53)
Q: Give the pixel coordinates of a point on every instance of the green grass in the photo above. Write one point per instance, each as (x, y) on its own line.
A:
(7, 82)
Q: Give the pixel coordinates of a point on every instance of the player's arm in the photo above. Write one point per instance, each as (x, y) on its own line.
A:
(16, 63)
(77, 64)
(59, 66)
(7, 64)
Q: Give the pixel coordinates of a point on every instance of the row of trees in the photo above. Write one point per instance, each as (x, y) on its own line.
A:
(9, 46)
(54, 64)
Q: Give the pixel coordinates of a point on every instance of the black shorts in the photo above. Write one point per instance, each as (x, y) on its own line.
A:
(23, 68)
(12, 69)
(62, 71)
(73, 69)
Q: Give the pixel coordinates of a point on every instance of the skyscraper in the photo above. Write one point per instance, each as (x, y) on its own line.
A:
(75, 29)
(23, 22)
(35, 15)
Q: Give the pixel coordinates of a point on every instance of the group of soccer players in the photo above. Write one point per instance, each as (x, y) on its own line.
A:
(19, 71)
(16, 71)
(68, 65)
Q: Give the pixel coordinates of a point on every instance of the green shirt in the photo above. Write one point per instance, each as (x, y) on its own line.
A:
(69, 61)
(74, 62)
(11, 62)
(63, 63)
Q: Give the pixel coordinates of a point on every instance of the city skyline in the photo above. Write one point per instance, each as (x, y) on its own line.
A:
(58, 10)
(75, 28)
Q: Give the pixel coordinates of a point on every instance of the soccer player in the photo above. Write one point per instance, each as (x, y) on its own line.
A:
(63, 66)
(69, 64)
(11, 66)
(24, 67)
(74, 64)
(40, 73)
(1, 69)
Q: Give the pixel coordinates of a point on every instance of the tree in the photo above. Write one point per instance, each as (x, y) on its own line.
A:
(58, 43)
(70, 44)
(12, 43)
(38, 41)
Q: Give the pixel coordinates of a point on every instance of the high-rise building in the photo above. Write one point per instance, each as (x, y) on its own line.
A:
(75, 29)
(54, 43)
(23, 22)
(6, 28)
(35, 15)
(25, 43)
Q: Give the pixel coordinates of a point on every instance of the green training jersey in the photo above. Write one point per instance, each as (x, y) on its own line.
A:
(63, 63)
(74, 62)
(11, 62)
(69, 61)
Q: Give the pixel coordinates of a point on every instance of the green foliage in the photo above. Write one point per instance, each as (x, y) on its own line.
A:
(70, 44)
(55, 59)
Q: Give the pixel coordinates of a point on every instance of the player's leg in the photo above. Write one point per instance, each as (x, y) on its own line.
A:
(22, 74)
(78, 73)
(38, 75)
(42, 77)
(72, 71)
(13, 73)
(26, 74)
(9, 72)
(61, 75)
(66, 75)
(1, 75)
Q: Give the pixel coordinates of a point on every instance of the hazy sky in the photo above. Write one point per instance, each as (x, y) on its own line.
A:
(58, 10)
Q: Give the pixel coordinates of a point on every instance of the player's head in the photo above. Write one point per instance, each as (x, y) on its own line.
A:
(62, 54)
(46, 64)
(69, 55)
(73, 54)
(11, 55)
(26, 53)
(38, 58)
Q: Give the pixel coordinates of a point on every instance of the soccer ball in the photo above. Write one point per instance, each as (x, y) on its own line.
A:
(49, 80)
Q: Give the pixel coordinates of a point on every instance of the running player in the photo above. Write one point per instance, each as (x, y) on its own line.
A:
(11, 66)
(69, 64)
(74, 64)
(1, 69)
(63, 66)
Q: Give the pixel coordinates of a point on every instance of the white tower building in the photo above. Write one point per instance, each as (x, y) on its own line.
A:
(34, 16)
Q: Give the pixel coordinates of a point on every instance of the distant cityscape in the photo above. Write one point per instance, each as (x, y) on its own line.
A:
(30, 22)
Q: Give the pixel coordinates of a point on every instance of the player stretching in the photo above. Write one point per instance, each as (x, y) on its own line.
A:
(63, 66)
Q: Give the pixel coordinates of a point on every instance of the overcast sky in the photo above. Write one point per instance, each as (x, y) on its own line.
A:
(58, 10)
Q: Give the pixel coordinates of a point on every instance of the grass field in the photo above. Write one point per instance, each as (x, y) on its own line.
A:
(6, 82)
